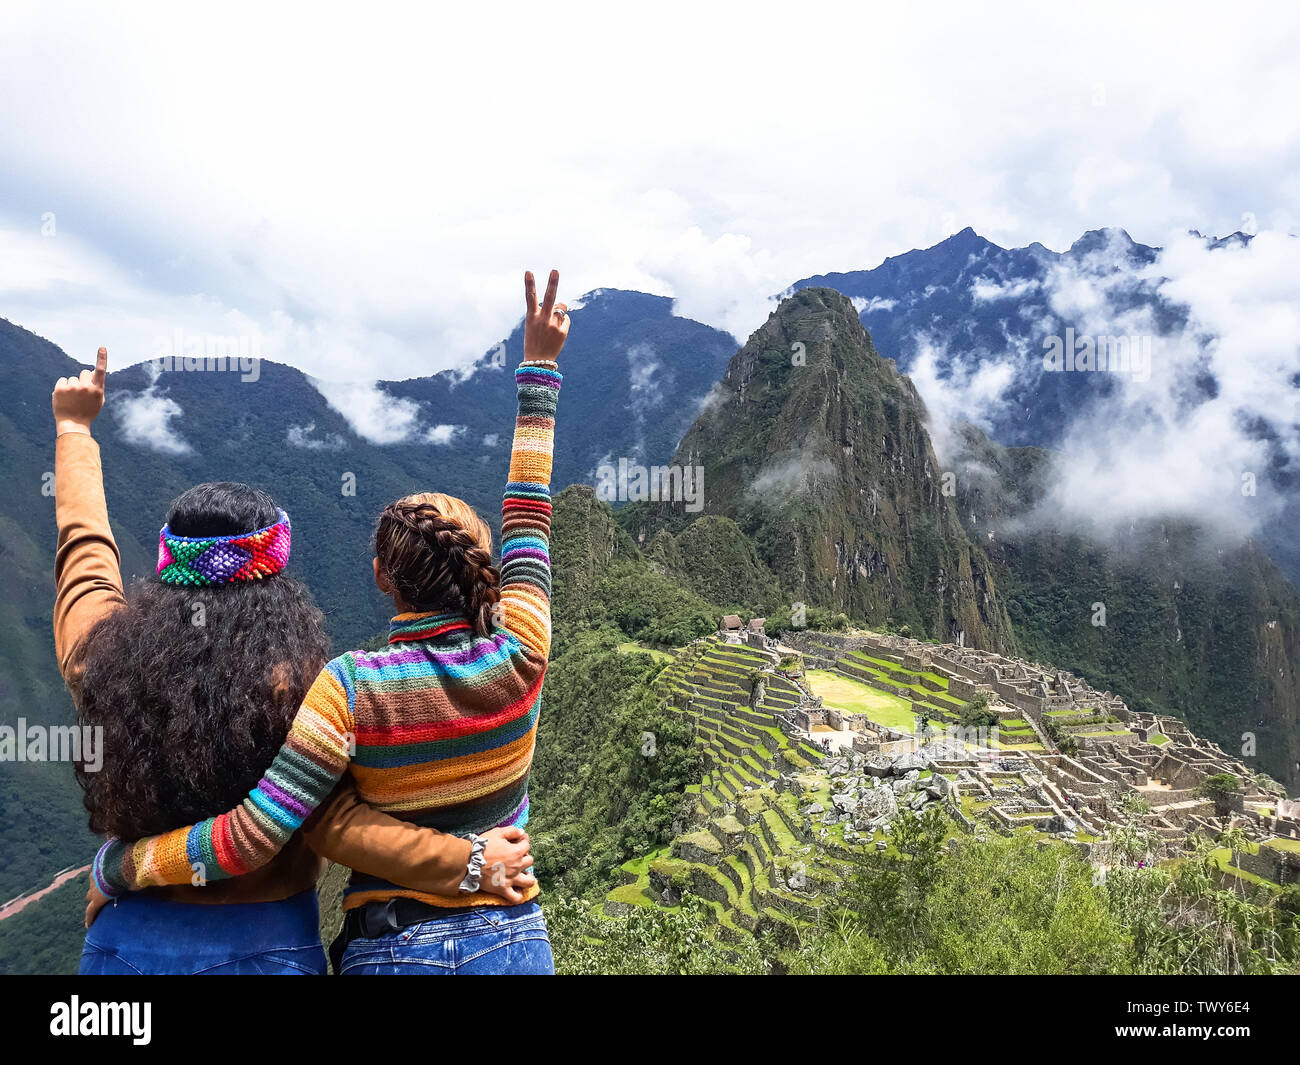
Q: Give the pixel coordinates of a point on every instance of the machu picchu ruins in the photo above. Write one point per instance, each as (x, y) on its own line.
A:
(815, 742)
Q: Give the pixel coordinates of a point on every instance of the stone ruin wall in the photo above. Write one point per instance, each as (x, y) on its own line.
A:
(1281, 867)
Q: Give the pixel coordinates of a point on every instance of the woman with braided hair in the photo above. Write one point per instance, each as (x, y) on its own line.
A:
(437, 729)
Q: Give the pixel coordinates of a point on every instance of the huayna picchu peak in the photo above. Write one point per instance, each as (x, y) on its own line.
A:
(817, 448)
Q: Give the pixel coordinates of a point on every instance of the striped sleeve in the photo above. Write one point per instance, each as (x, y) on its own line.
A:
(314, 756)
(526, 512)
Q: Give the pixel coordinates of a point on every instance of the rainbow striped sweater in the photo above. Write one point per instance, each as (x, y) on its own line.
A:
(437, 728)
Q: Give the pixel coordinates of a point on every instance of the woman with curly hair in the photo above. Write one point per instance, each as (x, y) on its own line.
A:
(437, 728)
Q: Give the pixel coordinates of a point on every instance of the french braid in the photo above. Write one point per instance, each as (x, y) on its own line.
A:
(436, 563)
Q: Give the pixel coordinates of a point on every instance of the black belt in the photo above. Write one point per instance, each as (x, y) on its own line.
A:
(371, 920)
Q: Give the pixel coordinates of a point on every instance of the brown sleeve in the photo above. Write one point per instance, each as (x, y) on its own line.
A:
(348, 831)
(87, 565)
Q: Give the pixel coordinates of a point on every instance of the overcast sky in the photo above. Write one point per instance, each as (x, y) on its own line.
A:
(361, 190)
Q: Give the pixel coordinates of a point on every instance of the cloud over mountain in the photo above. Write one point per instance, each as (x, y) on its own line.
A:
(1165, 380)
(146, 418)
(372, 413)
(1213, 434)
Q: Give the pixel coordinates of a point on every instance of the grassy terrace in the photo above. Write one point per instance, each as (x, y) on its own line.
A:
(653, 652)
(894, 667)
(854, 697)
(1222, 858)
(637, 891)
(744, 752)
(1029, 744)
(846, 688)
(902, 678)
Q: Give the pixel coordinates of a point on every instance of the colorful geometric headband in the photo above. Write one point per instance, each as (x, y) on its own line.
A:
(208, 560)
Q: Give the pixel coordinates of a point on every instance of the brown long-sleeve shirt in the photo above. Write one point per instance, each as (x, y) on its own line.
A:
(88, 586)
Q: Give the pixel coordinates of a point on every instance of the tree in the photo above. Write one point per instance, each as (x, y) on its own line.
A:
(1220, 787)
(977, 714)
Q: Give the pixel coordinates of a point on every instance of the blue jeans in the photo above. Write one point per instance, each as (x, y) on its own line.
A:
(489, 941)
(148, 936)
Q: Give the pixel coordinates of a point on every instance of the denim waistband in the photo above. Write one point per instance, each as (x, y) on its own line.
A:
(295, 920)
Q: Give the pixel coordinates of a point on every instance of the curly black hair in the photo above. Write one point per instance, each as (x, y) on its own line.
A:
(195, 688)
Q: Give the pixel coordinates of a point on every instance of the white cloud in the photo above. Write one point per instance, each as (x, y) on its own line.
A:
(721, 280)
(986, 291)
(302, 436)
(956, 389)
(371, 412)
(646, 378)
(799, 474)
(443, 434)
(874, 305)
(1180, 442)
(715, 397)
(145, 419)
(1218, 404)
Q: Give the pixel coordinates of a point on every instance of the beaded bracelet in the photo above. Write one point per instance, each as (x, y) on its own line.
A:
(548, 364)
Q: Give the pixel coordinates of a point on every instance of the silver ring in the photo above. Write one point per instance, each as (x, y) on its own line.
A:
(561, 313)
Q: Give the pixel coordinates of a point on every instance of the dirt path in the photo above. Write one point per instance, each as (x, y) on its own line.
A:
(17, 905)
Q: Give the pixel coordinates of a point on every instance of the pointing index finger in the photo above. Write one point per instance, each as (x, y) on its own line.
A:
(101, 368)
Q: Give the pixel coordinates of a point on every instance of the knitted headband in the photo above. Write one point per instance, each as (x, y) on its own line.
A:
(208, 560)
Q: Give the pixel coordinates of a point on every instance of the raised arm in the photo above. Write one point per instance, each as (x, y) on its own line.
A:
(526, 510)
(87, 565)
(314, 757)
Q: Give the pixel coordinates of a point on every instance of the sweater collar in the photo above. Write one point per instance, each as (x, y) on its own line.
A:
(425, 626)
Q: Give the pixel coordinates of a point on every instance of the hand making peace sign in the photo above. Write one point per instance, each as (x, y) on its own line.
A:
(547, 326)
